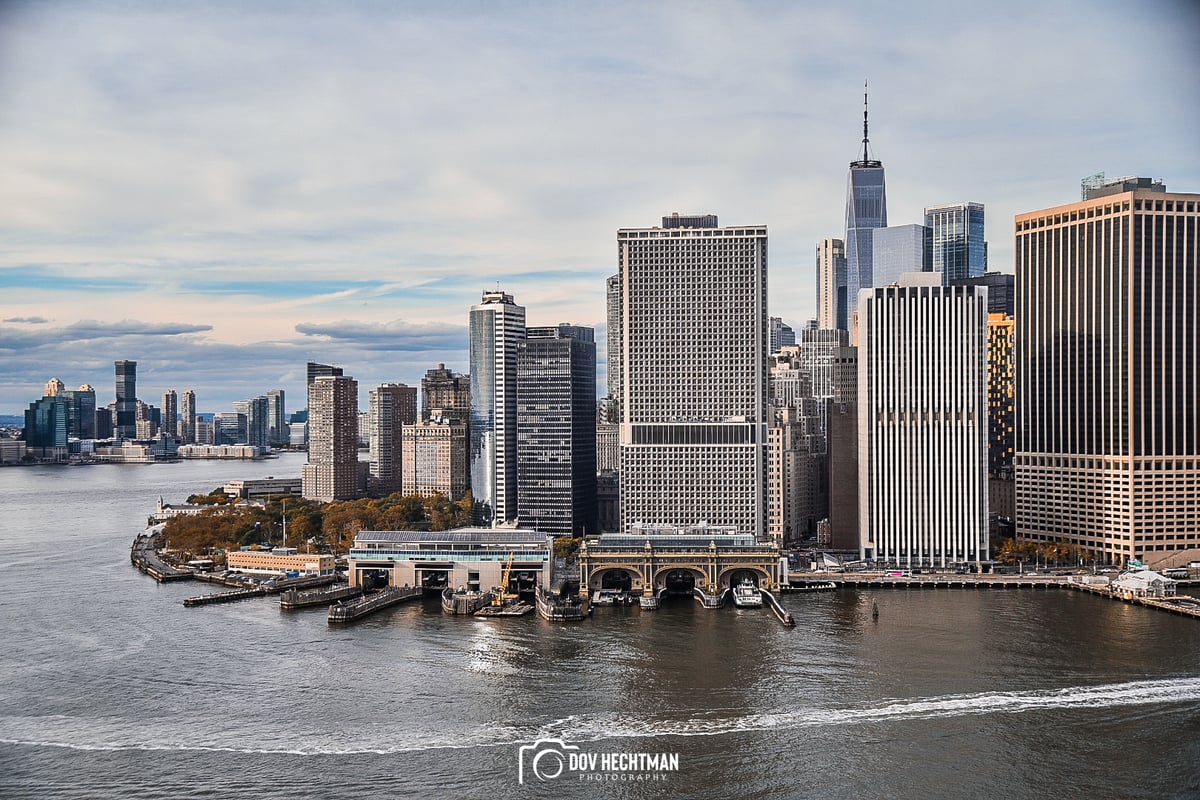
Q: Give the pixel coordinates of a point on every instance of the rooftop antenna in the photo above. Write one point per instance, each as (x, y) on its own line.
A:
(866, 139)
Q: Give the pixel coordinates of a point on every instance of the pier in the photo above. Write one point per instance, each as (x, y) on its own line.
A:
(224, 597)
(143, 555)
(294, 598)
(784, 616)
(1182, 604)
(357, 609)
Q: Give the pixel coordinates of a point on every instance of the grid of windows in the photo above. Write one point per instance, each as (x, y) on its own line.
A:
(1107, 322)
(693, 312)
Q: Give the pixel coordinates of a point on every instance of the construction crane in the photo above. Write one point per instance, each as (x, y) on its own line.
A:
(502, 595)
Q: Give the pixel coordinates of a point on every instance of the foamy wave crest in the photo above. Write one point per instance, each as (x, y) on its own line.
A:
(1180, 690)
(591, 728)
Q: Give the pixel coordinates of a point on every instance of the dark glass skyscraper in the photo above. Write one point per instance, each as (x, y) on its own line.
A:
(126, 421)
(556, 430)
(866, 209)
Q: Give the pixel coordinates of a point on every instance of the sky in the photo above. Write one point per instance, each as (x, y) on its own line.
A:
(224, 191)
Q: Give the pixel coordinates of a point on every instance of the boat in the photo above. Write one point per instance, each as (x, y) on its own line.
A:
(747, 595)
(613, 597)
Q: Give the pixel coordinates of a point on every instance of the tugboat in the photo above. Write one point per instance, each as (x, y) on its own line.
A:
(747, 595)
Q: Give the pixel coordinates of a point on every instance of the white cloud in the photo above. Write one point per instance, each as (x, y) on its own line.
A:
(267, 167)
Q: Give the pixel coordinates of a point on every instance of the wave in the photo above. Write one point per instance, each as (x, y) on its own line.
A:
(594, 728)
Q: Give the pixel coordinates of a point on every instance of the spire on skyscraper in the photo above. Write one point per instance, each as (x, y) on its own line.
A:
(866, 160)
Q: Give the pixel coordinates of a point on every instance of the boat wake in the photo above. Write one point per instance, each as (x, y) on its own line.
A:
(62, 732)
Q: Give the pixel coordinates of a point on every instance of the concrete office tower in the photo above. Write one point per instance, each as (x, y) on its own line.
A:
(613, 308)
(435, 458)
(694, 378)
(277, 431)
(204, 431)
(1108, 438)
(332, 470)
(147, 420)
(1001, 362)
(897, 250)
(831, 283)
(556, 430)
(314, 371)
(797, 494)
(866, 209)
(446, 391)
(393, 405)
(608, 447)
(125, 423)
(187, 426)
(956, 249)
(170, 413)
(497, 325)
(1001, 288)
(922, 421)
(53, 387)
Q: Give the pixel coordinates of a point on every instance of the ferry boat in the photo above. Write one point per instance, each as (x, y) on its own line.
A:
(747, 595)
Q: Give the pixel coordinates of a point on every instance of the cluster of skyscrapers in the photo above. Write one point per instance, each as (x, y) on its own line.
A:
(929, 404)
(66, 422)
(519, 433)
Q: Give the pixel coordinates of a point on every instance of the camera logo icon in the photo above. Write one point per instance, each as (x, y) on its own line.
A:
(544, 760)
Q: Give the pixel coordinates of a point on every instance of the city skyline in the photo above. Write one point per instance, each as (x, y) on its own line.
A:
(340, 184)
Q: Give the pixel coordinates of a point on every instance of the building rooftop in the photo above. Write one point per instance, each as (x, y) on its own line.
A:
(497, 536)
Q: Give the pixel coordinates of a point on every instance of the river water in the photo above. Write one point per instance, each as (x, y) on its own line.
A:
(112, 689)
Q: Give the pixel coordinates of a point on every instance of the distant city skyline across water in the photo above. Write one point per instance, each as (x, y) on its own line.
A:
(220, 199)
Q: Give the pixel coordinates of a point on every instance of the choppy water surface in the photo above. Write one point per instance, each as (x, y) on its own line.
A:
(113, 689)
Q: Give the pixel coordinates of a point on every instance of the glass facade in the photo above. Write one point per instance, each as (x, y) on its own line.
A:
(556, 430)
(956, 244)
(866, 209)
(896, 250)
(126, 421)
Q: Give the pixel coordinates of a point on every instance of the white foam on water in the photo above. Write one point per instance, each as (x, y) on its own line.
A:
(591, 728)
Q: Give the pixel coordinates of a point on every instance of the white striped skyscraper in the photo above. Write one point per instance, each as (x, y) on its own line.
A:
(923, 422)
(1108, 373)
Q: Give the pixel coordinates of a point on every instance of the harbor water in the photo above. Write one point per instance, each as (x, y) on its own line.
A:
(112, 689)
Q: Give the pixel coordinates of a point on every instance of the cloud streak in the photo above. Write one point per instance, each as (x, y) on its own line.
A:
(305, 178)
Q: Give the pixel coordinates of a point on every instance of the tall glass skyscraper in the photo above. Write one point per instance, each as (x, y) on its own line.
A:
(126, 421)
(497, 326)
(956, 245)
(866, 209)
